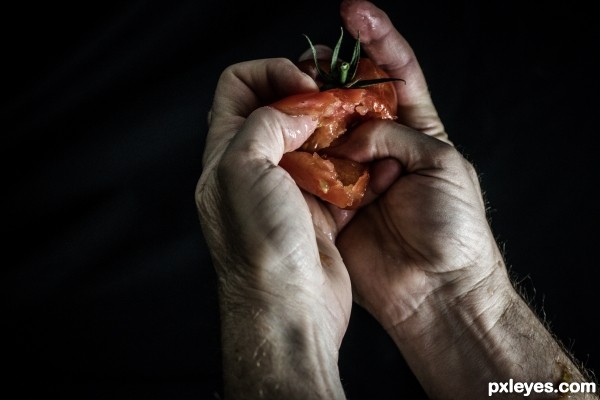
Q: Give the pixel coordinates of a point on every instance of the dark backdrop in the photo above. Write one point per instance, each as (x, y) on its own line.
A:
(107, 287)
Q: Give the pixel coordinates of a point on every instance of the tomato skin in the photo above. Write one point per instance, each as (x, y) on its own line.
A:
(366, 69)
(336, 111)
(337, 181)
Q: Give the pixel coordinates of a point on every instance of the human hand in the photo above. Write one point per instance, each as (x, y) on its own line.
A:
(420, 252)
(284, 292)
(423, 235)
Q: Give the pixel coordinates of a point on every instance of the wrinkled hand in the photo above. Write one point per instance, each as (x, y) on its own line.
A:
(419, 252)
(423, 241)
(257, 222)
(283, 286)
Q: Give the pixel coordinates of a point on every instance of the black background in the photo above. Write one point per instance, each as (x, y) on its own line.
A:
(107, 287)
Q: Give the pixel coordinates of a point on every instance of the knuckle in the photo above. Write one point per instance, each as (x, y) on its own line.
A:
(446, 156)
(226, 169)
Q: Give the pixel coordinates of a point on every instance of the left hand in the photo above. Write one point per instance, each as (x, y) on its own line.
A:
(272, 246)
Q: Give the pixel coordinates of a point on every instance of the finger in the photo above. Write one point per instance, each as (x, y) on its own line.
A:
(383, 173)
(411, 150)
(244, 87)
(384, 45)
(257, 83)
(340, 216)
(397, 150)
(267, 134)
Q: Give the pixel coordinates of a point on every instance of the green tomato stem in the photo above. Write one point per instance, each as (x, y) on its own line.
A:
(344, 68)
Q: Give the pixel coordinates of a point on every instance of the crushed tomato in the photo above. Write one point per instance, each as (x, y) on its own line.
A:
(338, 181)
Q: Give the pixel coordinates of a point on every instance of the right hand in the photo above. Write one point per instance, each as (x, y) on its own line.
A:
(424, 241)
(420, 252)
(423, 244)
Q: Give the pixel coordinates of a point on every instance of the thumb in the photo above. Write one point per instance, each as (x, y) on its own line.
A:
(390, 50)
(269, 133)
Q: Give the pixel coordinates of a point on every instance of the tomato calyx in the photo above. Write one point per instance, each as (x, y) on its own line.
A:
(342, 73)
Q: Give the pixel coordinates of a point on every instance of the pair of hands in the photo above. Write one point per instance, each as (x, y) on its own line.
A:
(419, 254)
(425, 218)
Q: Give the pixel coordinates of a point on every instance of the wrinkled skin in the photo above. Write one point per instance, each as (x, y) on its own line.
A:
(298, 229)
(418, 254)
(283, 287)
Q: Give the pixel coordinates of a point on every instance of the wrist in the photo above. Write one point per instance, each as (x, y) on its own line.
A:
(451, 339)
(275, 349)
(469, 306)
(463, 339)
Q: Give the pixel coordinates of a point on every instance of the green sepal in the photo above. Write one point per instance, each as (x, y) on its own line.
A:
(322, 74)
(341, 73)
(336, 51)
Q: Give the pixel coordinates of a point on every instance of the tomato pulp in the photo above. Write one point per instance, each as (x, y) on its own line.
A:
(338, 181)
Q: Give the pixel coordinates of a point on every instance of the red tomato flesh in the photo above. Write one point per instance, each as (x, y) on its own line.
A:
(338, 181)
